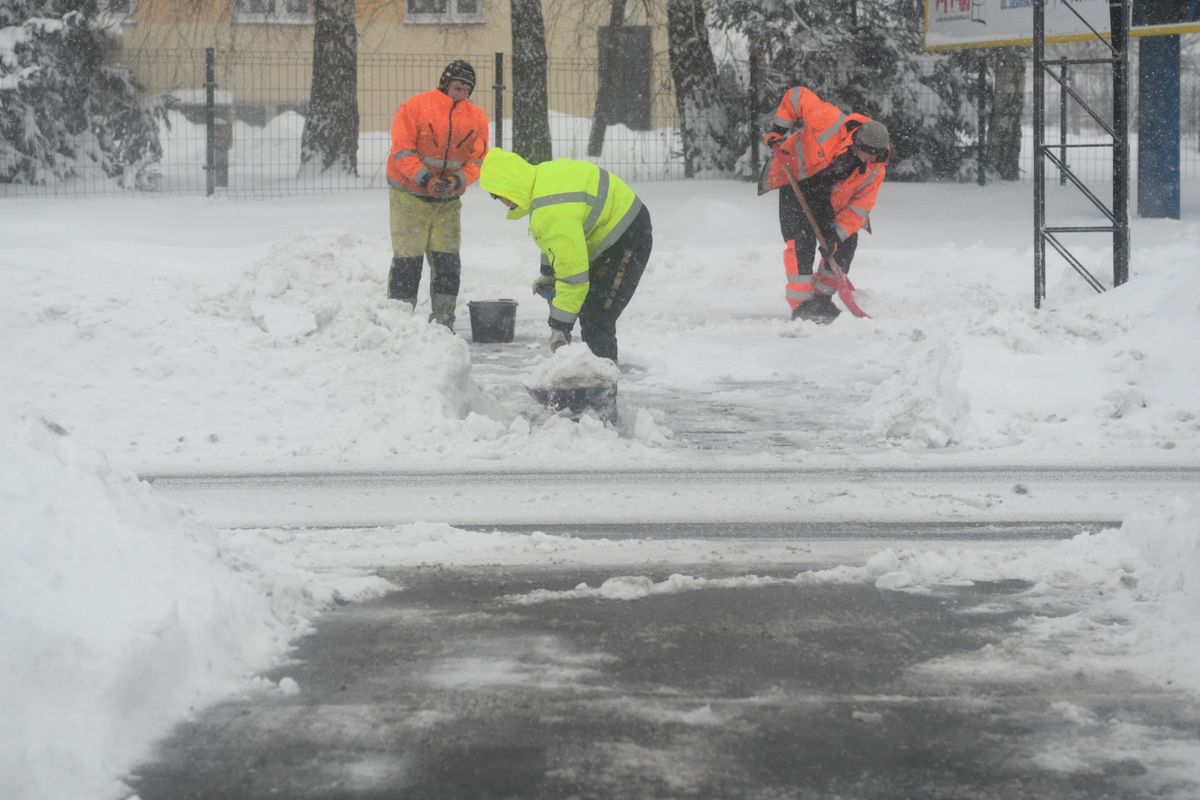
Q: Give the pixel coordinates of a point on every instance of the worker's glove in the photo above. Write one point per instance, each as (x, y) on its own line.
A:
(544, 286)
(558, 338)
(445, 186)
(831, 239)
(829, 252)
(773, 139)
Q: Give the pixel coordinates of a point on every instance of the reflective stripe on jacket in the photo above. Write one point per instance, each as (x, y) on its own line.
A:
(433, 137)
(576, 211)
(820, 133)
(853, 199)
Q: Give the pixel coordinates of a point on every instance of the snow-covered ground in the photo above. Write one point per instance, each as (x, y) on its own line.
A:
(146, 334)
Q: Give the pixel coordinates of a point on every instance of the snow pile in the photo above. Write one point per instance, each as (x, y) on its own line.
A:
(1106, 364)
(256, 335)
(1120, 599)
(293, 357)
(1123, 599)
(118, 613)
(320, 294)
(572, 367)
(636, 587)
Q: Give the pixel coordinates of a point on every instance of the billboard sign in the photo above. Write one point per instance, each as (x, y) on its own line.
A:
(959, 24)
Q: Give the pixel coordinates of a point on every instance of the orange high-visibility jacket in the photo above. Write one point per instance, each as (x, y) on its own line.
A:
(820, 133)
(433, 137)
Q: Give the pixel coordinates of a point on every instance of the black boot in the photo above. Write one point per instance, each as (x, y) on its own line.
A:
(819, 309)
(404, 277)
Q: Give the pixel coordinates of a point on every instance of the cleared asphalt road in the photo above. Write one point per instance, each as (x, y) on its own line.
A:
(468, 684)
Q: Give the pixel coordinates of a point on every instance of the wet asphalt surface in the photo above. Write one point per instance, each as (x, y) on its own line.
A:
(454, 688)
(457, 688)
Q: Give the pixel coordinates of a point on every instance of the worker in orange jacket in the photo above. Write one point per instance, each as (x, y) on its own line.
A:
(840, 161)
(439, 138)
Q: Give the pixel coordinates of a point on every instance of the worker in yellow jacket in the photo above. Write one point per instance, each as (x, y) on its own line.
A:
(594, 234)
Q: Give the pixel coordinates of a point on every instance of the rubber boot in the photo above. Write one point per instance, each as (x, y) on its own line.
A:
(443, 310)
(403, 279)
(820, 309)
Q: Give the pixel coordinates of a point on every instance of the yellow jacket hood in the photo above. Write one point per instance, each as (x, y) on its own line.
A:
(509, 176)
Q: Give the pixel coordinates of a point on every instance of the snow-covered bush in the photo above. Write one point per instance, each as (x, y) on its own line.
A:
(62, 108)
(867, 58)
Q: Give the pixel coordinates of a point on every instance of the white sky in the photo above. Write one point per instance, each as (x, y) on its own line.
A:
(182, 334)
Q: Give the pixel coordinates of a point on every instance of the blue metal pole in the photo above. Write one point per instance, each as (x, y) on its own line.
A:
(1158, 127)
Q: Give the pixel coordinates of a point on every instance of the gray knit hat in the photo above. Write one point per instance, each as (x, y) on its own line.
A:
(873, 137)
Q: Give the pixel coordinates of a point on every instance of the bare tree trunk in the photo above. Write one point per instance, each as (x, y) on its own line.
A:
(1008, 105)
(531, 120)
(607, 53)
(330, 138)
(703, 125)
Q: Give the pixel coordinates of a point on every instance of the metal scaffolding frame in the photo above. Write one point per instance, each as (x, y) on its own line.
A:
(1118, 214)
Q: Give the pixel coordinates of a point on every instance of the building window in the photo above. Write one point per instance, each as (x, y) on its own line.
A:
(442, 12)
(275, 12)
(116, 12)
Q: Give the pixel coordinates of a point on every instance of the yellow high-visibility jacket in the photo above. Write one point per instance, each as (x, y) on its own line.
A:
(576, 211)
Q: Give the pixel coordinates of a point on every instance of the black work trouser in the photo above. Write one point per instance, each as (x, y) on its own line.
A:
(794, 226)
(613, 277)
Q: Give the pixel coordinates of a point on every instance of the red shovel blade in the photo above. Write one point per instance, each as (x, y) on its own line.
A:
(845, 291)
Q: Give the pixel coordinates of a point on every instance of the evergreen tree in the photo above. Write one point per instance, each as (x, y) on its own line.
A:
(864, 56)
(62, 107)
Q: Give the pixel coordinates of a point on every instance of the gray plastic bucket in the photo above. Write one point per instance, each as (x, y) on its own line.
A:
(492, 320)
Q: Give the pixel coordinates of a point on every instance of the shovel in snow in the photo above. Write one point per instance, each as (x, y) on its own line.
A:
(845, 289)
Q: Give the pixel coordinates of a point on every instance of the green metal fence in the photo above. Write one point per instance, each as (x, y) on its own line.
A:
(259, 102)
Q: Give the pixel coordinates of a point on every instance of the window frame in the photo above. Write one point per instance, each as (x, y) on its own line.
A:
(241, 17)
(452, 16)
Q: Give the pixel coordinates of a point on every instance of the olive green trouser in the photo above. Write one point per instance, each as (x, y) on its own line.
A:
(424, 228)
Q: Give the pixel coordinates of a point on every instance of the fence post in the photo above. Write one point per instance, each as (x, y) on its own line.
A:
(1062, 120)
(981, 102)
(210, 114)
(1119, 14)
(752, 113)
(499, 88)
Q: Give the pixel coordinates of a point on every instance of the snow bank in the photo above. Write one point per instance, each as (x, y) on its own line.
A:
(118, 614)
(1103, 369)
(288, 357)
(1125, 599)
